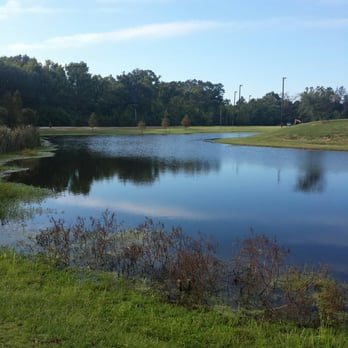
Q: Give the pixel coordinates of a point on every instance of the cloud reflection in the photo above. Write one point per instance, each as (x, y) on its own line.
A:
(144, 209)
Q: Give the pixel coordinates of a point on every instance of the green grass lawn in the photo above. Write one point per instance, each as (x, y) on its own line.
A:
(325, 135)
(45, 307)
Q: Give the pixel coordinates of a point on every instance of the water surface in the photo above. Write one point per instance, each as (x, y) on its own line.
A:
(296, 195)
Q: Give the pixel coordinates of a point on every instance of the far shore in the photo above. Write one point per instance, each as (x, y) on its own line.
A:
(321, 135)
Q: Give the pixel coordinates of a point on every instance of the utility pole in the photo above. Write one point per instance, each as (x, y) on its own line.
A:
(240, 87)
(234, 107)
(282, 103)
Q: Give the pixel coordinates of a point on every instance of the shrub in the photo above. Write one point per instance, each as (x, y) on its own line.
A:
(255, 271)
(187, 270)
(311, 298)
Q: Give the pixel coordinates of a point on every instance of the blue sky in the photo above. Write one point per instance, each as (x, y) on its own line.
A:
(250, 42)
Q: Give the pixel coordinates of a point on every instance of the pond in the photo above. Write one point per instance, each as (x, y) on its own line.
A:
(300, 197)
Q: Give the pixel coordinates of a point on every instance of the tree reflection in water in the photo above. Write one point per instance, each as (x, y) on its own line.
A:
(311, 178)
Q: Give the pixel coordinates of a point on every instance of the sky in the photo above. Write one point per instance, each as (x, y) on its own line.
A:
(246, 45)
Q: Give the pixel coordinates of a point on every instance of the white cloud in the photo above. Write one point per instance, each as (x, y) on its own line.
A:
(172, 29)
(122, 2)
(151, 31)
(16, 7)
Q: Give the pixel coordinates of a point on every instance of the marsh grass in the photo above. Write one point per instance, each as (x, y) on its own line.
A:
(18, 139)
(13, 195)
(45, 307)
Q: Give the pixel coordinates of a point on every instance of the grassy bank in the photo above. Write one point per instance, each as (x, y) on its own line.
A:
(325, 135)
(42, 306)
(45, 131)
(13, 194)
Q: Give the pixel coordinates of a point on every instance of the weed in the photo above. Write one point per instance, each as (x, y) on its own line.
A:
(186, 270)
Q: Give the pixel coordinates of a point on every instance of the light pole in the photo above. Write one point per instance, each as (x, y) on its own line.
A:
(234, 107)
(249, 97)
(282, 103)
(240, 87)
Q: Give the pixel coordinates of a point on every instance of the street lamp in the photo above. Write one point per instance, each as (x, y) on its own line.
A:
(234, 105)
(282, 103)
(240, 87)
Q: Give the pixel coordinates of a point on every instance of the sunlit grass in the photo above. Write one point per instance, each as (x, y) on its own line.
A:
(325, 135)
(42, 306)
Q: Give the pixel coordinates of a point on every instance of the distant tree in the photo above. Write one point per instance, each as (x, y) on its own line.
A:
(3, 115)
(165, 121)
(29, 116)
(185, 122)
(141, 126)
(92, 120)
(13, 103)
(321, 103)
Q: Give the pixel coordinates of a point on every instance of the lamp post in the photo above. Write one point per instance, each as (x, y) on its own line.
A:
(234, 107)
(282, 103)
(240, 87)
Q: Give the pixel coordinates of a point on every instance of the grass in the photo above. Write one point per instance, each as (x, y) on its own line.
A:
(13, 194)
(44, 151)
(45, 307)
(148, 130)
(325, 135)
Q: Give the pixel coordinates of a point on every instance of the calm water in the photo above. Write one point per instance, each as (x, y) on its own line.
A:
(298, 196)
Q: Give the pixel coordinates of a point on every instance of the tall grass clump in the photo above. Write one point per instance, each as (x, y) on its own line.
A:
(17, 139)
(186, 270)
(13, 196)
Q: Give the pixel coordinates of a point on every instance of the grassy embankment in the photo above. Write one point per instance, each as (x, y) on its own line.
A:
(42, 306)
(321, 135)
(325, 135)
(45, 131)
(12, 194)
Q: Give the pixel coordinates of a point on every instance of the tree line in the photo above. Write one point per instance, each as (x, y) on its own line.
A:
(50, 94)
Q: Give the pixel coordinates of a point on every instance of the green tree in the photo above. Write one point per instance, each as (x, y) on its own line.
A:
(165, 120)
(3, 115)
(141, 126)
(185, 122)
(319, 103)
(139, 90)
(29, 117)
(81, 87)
(92, 120)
